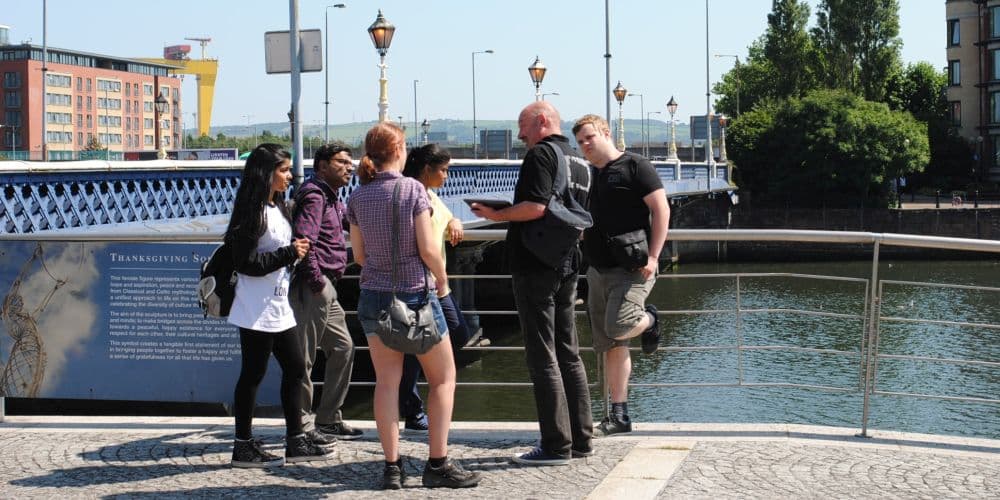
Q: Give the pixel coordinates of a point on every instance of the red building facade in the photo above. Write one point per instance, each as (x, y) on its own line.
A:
(89, 100)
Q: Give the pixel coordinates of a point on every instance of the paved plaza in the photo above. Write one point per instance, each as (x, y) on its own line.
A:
(172, 457)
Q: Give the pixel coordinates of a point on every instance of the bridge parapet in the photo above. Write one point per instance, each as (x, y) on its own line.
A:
(45, 196)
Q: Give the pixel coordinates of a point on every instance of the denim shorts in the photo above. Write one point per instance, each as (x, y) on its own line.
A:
(372, 302)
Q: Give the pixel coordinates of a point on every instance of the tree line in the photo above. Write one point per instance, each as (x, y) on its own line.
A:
(831, 116)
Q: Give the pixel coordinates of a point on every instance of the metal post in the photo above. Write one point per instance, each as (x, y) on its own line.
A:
(709, 156)
(672, 151)
(156, 114)
(621, 129)
(607, 61)
(45, 78)
(872, 352)
(326, 67)
(416, 131)
(3, 409)
(296, 118)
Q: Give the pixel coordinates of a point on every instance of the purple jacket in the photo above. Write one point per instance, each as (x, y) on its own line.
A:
(319, 217)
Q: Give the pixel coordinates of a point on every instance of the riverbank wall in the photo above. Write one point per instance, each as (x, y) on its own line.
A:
(718, 213)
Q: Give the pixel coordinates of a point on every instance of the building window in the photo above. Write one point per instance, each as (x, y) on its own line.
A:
(11, 80)
(90, 103)
(79, 84)
(90, 121)
(135, 89)
(12, 118)
(59, 99)
(147, 106)
(53, 80)
(79, 138)
(128, 90)
(90, 84)
(147, 140)
(147, 89)
(147, 123)
(995, 22)
(63, 118)
(12, 99)
(954, 73)
(994, 107)
(954, 33)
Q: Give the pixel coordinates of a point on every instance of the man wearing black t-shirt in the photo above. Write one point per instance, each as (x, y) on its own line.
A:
(623, 249)
(545, 295)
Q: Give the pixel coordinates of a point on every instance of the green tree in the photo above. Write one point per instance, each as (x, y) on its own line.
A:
(828, 148)
(789, 49)
(860, 42)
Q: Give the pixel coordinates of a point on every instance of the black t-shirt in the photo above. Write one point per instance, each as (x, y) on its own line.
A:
(534, 183)
(616, 204)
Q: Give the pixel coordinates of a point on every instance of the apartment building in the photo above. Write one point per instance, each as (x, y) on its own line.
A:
(973, 93)
(87, 97)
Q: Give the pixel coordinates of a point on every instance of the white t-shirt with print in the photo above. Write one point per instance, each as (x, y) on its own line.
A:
(261, 302)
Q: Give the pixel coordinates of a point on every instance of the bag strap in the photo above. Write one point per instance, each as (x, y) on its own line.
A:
(395, 239)
(560, 184)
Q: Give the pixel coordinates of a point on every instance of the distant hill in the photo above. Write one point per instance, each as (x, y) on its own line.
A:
(459, 131)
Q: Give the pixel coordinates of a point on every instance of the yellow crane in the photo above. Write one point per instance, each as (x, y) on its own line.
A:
(204, 69)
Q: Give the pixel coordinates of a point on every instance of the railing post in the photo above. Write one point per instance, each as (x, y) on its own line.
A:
(975, 199)
(3, 409)
(937, 199)
(873, 314)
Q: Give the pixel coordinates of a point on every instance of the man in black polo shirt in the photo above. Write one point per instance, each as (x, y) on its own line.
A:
(545, 295)
(623, 248)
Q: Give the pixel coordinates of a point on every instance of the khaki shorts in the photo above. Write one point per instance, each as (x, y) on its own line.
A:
(616, 300)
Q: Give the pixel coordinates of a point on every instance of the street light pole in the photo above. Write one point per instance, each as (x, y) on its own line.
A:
(709, 156)
(736, 73)
(381, 32)
(537, 71)
(672, 150)
(642, 123)
(649, 131)
(620, 92)
(475, 134)
(415, 137)
(326, 66)
(549, 93)
(426, 127)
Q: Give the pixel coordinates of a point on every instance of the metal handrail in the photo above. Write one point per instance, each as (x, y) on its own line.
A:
(871, 316)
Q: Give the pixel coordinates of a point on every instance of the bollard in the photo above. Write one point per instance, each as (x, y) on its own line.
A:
(975, 199)
(937, 199)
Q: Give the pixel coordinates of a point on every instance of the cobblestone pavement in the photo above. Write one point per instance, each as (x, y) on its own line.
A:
(767, 469)
(78, 457)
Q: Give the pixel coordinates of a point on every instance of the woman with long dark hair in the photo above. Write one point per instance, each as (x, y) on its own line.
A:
(370, 212)
(260, 236)
(429, 165)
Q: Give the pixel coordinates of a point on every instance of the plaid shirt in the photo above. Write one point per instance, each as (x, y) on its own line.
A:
(370, 208)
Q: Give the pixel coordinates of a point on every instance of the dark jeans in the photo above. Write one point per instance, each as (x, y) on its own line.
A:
(256, 348)
(545, 302)
(410, 404)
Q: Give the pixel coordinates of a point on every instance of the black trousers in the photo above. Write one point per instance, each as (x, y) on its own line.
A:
(256, 348)
(545, 302)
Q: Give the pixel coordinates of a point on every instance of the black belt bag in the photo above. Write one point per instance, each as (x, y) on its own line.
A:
(630, 250)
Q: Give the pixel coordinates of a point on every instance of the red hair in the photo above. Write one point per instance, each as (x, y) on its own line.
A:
(381, 146)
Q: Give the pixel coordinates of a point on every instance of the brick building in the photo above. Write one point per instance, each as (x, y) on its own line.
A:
(86, 97)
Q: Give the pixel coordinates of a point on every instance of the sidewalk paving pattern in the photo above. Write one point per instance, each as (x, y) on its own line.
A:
(135, 457)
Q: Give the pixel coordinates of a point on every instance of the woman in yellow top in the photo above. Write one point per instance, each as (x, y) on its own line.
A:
(429, 165)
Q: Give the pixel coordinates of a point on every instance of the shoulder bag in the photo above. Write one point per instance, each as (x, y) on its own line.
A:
(555, 234)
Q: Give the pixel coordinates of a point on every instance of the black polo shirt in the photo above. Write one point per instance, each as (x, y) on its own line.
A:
(616, 204)
(534, 183)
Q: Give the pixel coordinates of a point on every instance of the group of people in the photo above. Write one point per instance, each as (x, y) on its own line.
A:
(289, 260)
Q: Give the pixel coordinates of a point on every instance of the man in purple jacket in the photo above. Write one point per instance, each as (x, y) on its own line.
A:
(318, 216)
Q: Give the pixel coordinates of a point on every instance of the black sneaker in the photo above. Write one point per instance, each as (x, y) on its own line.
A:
(575, 453)
(610, 426)
(392, 477)
(321, 438)
(301, 449)
(340, 430)
(250, 454)
(449, 475)
(416, 425)
(538, 456)
(651, 336)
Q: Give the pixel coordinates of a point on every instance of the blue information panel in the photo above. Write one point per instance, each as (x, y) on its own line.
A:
(114, 321)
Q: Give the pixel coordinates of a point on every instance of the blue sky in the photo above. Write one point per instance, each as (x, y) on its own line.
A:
(658, 49)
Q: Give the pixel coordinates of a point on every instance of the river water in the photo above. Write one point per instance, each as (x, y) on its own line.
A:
(837, 367)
